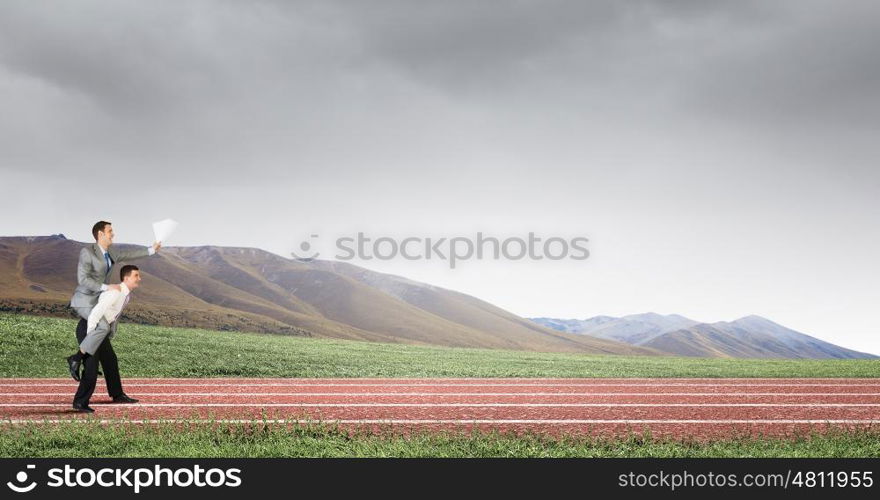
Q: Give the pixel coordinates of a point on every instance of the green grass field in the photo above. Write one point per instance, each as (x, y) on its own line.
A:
(257, 440)
(33, 346)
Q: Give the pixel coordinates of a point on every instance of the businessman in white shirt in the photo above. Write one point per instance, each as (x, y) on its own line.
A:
(95, 342)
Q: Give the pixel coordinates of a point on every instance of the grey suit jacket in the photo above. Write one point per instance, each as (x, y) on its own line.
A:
(91, 272)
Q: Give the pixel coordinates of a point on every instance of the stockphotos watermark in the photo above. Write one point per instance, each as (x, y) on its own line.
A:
(452, 249)
(134, 479)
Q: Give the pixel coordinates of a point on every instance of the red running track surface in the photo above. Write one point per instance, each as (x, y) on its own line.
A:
(677, 408)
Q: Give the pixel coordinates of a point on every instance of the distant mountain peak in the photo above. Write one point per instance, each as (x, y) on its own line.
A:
(755, 319)
(749, 336)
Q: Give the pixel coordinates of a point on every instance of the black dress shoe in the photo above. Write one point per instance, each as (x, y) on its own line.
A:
(123, 398)
(73, 365)
(83, 408)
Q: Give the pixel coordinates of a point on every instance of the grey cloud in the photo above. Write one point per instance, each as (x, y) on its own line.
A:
(286, 88)
(486, 45)
(821, 65)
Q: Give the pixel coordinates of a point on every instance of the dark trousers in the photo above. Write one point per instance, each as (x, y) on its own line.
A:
(109, 363)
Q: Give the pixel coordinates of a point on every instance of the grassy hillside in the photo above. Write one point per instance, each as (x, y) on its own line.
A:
(247, 289)
(32, 346)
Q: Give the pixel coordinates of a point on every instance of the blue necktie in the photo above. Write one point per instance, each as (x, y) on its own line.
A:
(109, 265)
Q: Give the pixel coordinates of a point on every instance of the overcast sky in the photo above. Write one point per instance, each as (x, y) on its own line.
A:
(722, 157)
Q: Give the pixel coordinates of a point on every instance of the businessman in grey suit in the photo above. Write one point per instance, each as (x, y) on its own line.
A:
(92, 273)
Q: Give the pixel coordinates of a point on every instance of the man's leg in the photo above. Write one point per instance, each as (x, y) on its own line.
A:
(87, 382)
(93, 339)
(83, 312)
(74, 362)
(110, 363)
(81, 328)
(107, 358)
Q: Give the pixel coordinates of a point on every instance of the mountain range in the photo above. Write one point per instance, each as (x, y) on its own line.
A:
(248, 289)
(748, 337)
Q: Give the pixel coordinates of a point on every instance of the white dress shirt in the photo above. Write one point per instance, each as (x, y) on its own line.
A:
(109, 307)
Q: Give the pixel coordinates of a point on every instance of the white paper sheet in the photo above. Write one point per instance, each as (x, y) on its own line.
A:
(163, 229)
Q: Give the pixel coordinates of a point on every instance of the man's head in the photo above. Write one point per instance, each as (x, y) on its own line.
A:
(103, 233)
(131, 276)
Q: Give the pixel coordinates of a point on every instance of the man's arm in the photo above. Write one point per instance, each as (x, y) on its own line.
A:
(98, 311)
(125, 255)
(83, 268)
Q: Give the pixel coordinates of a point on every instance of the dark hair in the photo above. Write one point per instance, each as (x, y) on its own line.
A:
(98, 227)
(126, 270)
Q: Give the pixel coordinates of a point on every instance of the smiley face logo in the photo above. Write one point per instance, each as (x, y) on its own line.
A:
(305, 247)
(20, 478)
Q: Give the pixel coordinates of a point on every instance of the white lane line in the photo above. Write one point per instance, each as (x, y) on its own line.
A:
(373, 394)
(300, 384)
(459, 405)
(411, 421)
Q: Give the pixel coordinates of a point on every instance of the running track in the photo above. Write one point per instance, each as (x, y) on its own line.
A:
(679, 408)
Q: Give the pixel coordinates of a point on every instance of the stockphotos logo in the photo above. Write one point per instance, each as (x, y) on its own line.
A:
(135, 479)
(451, 249)
(20, 485)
